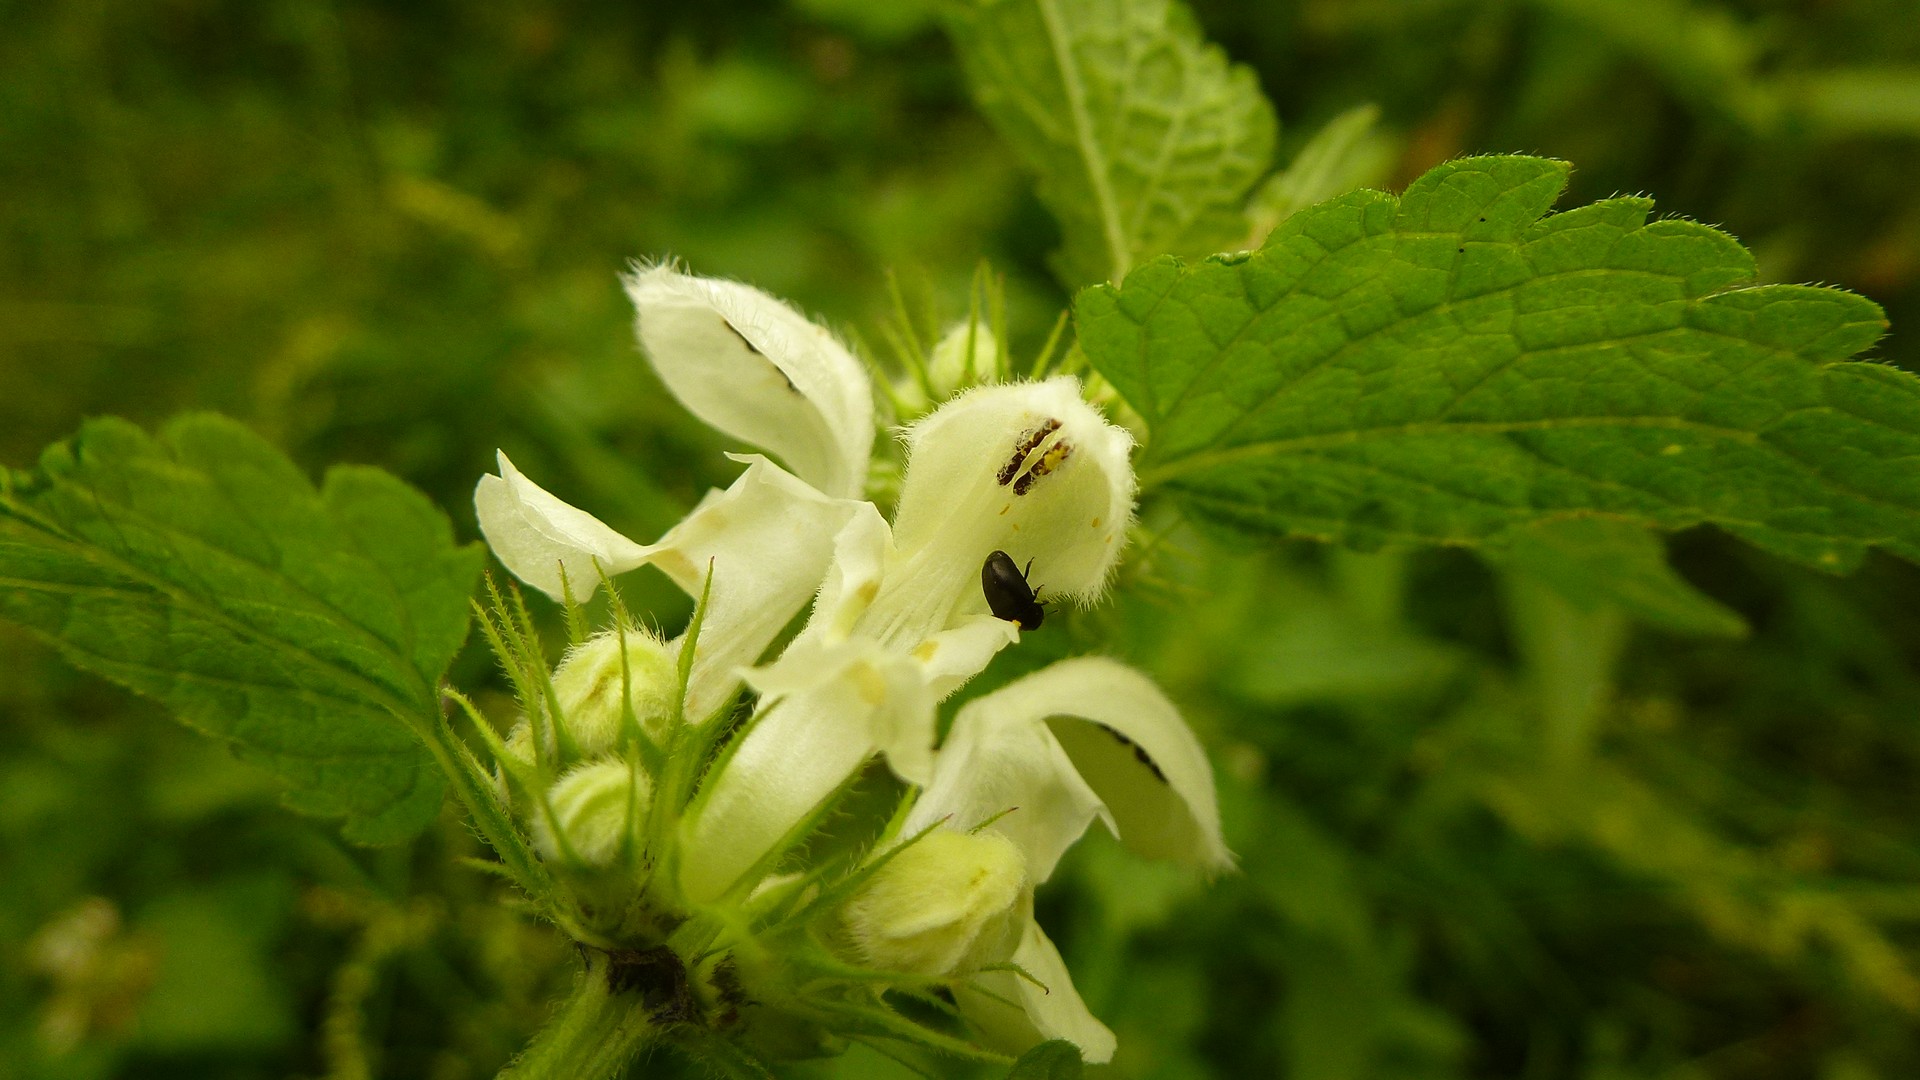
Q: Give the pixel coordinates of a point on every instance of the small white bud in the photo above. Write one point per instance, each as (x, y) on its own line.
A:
(596, 806)
(948, 904)
(589, 680)
(587, 686)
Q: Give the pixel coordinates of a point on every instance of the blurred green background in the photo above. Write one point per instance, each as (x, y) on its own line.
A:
(1483, 833)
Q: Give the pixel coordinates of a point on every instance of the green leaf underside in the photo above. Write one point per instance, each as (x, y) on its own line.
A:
(1144, 138)
(1450, 366)
(1598, 563)
(307, 628)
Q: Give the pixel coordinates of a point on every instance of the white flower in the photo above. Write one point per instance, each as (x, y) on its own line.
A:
(1026, 468)
(1038, 761)
(753, 368)
(901, 621)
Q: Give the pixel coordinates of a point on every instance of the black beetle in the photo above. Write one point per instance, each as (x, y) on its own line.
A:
(1008, 593)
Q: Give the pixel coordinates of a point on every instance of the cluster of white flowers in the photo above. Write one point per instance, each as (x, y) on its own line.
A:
(899, 621)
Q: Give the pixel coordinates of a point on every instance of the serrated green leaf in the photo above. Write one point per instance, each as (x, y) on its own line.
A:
(307, 628)
(1450, 366)
(1056, 1060)
(1145, 139)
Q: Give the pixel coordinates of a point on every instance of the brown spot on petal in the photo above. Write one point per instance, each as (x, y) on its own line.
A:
(1025, 446)
(1055, 456)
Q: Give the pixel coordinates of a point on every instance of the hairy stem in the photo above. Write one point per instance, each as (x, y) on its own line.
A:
(593, 1036)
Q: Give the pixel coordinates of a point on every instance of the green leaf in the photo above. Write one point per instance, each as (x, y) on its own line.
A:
(1145, 139)
(1056, 1060)
(1598, 563)
(307, 628)
(1450, 366)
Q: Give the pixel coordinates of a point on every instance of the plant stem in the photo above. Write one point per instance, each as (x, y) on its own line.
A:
(594, 1035)
(1571, 654)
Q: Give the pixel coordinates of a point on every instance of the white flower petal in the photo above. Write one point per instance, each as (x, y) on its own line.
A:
(1156, 783)
(797, 753)
(1051, 744)
(825, 709)
(1028, 468)
(1000, 762)
(535, 534)
(951, 657)
(758, 370)
(769, 538)
(860, 555)
(1053, 1010)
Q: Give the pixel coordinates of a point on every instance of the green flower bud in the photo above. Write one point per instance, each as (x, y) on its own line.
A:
(595, 806)
(588, 682)
(587, 686)
(953, 367)
(950, 903)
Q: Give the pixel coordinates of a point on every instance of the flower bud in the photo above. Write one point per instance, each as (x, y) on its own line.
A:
(967, 355)
(595, 806)
(587, 686)
(949, 903)
(589, 679)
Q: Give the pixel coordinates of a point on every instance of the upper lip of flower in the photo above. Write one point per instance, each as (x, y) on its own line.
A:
(756, 369)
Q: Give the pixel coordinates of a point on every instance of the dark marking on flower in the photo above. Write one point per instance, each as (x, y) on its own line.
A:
(1139, 755)
(1025, 446)
(743, 338)
(1056, 454)
(751, 348)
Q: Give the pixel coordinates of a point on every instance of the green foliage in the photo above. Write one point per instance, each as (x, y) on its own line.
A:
(308, 628)
(1145, 139)
(1449, 366)
(1486, 827)
(1602, 563)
